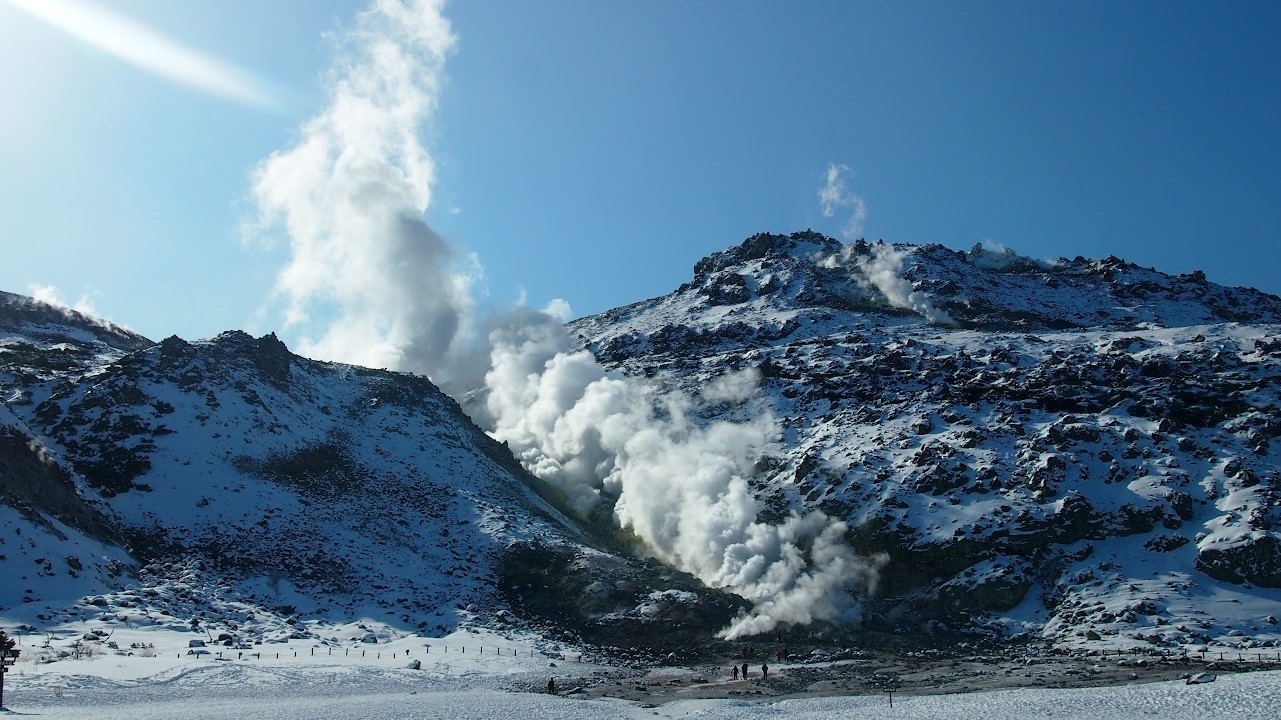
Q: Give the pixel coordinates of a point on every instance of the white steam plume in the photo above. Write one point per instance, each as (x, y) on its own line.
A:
(733, 387)
(833, 196)
(679, 486)
(84, 306)
(369, 282)
(50, 295)
(883, 272)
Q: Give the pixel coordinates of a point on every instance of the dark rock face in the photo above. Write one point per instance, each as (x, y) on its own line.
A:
(767, 245)
(34, 484)
(992, 586)
(610, 601)
(1255, 561)
(272, 359)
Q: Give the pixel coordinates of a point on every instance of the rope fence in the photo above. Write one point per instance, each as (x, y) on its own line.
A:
(1206, 656)
(82, 649)
(1242, 656)
(494, 651)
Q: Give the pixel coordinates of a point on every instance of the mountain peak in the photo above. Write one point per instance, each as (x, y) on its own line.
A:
(804, 245)
(988, 287)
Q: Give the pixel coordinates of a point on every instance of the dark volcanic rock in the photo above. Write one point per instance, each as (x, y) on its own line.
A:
(608, 600)
(1256, 561)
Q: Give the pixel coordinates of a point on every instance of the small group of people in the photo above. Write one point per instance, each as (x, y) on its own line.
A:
(747, 651)
(734, 671)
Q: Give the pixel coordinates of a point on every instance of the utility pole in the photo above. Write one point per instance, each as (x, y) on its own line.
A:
(8, 656)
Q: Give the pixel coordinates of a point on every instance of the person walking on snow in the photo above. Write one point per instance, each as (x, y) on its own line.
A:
(734, 672)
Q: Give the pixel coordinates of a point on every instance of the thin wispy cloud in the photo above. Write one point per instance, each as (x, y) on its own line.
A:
(833, 196)
(148, 50)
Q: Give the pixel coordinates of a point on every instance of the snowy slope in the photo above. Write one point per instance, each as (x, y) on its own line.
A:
(1078, 450)
(55, 540)
(229, 486)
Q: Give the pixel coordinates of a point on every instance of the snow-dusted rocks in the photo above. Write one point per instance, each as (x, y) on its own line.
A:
(1072, 449)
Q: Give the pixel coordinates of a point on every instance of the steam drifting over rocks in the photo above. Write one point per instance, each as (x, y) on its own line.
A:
(879, 268)
(369, 282)
(681, 487)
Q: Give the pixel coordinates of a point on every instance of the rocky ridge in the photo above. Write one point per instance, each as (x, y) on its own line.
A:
(1083, 450)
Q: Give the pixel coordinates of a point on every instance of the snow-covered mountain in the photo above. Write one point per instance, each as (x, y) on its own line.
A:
(229, 483)
(1079, 450)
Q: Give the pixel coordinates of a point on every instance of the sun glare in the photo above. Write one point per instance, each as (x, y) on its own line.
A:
(148, 50)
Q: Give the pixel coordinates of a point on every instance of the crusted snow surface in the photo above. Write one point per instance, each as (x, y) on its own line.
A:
(456, 685)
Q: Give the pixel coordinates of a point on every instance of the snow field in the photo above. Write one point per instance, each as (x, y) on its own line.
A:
(342, 692)
(458, 685)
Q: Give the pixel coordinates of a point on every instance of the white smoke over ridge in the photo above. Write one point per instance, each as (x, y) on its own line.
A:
(82, 310)
(679, 486)
(833, 195)
(351, 195)
(882, 272)
(50, 295)
(369, 282)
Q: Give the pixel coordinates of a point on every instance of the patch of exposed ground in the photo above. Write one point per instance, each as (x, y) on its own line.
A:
(912, 673)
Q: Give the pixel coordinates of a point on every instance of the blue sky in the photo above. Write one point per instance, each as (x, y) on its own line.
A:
(593, 151)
